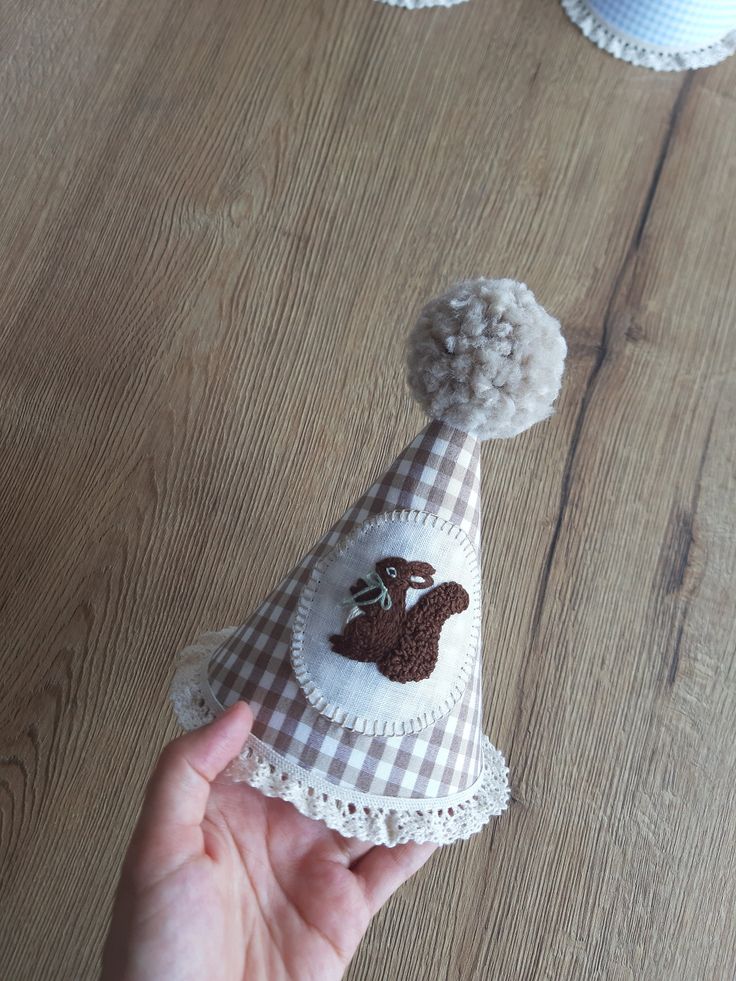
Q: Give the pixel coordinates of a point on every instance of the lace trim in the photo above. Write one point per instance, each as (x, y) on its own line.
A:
(639, 53)
(380, 820)
(416, 4)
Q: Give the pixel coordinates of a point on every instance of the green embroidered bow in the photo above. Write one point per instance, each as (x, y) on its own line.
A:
(373, 582)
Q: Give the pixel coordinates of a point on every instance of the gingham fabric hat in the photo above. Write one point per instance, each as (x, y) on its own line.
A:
(363, 668)
(666, 35)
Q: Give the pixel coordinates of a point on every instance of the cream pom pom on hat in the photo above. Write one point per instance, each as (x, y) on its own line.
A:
(363, 667)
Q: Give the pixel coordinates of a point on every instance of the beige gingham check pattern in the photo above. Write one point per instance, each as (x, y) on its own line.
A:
(438, 472)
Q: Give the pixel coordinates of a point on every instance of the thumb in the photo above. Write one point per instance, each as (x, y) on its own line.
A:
(178, 791)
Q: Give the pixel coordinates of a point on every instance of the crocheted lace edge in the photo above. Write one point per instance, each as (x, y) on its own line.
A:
(379, 820)
(417, 4)
(641, 54)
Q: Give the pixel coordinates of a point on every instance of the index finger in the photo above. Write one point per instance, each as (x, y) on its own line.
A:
(383, 869)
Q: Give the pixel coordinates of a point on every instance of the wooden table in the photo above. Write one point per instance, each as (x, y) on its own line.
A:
(218, 219)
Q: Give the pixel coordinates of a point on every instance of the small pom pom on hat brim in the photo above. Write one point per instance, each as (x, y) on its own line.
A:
(486, 358)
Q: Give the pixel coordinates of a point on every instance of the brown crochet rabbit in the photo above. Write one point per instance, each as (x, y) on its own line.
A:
(403, 643)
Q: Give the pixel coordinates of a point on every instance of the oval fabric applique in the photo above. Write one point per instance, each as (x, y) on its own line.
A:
(388, 626)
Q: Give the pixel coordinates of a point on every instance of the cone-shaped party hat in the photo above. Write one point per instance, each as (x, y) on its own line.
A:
(363, 668)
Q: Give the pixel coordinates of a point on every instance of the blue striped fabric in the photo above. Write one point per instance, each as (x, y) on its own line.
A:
(671, 24)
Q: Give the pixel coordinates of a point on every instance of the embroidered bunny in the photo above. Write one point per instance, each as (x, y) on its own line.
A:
(402, 643)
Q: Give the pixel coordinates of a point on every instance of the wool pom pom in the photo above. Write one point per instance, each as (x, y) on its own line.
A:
(486, 358)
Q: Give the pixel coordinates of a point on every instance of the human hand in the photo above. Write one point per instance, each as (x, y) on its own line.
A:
(221, 882)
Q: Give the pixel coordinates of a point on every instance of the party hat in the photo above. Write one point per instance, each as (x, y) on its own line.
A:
(363, 668)
(418, 4)
(666, 35)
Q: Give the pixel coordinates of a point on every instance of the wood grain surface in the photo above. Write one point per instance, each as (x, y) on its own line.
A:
(218, 219)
